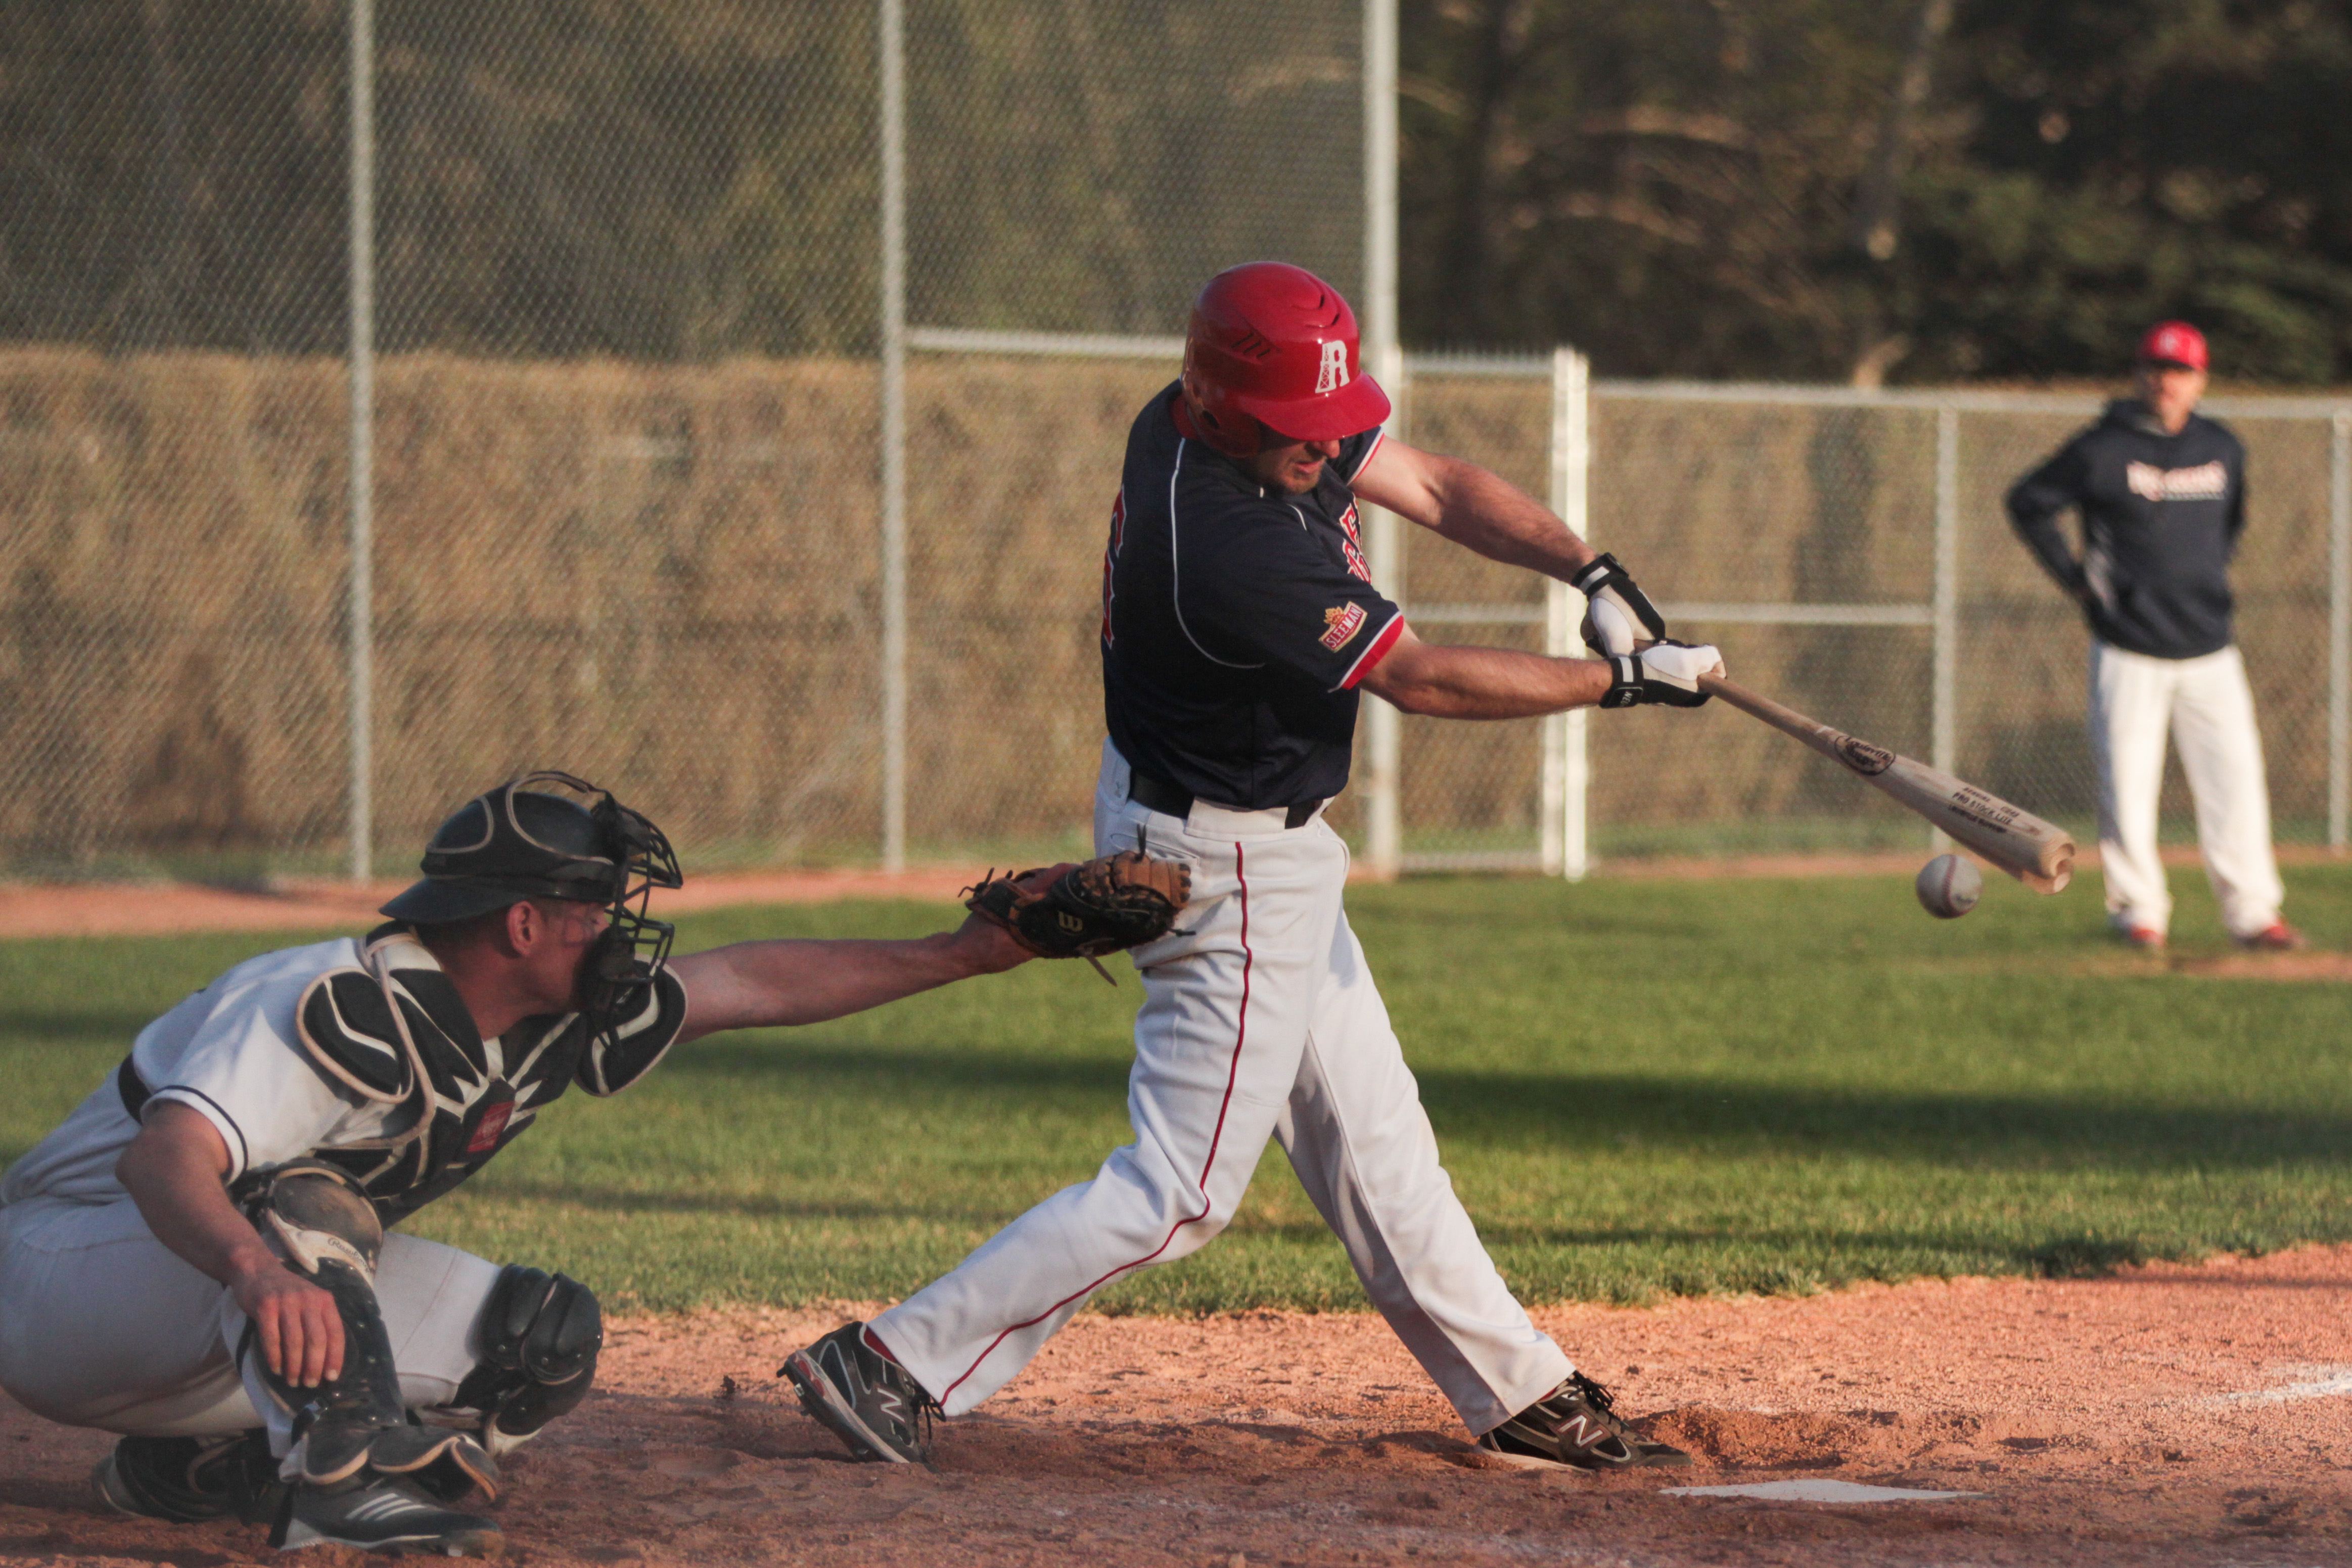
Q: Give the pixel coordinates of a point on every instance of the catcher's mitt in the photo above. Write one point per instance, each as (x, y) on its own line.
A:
(1106, 905)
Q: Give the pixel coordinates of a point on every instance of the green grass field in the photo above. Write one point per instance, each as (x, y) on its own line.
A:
(1641, 1087)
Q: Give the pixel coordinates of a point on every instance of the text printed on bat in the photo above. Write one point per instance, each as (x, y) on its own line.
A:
(1985, 810)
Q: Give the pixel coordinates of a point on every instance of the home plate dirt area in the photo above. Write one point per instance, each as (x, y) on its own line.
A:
(2169, 1415)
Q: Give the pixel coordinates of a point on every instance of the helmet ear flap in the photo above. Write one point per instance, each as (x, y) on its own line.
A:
(1226, 428)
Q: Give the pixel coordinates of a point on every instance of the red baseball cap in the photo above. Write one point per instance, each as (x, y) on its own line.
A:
(2173, 342)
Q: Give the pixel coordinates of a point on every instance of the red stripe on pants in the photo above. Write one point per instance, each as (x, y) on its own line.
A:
(1232, 1071)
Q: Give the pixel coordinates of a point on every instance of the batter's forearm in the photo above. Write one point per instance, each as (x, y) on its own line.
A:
(1486, 514)
(1485, 682)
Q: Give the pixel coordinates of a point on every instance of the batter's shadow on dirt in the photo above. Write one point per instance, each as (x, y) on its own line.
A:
(763, 1422)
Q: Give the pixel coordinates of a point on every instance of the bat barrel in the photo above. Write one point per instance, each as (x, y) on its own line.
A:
(2037, 853)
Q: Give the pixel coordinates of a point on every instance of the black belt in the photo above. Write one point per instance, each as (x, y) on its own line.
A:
(1158, 794)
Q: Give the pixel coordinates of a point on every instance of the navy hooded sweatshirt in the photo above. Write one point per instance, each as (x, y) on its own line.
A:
(2161, 515)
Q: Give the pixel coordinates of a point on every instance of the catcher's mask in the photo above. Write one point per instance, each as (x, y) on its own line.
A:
(518, 841)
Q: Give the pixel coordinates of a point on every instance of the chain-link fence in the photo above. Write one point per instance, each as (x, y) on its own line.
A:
(662, 291)
(634, 277)
(1849, 553)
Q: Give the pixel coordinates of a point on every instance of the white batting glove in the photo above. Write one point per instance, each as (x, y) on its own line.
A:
(1664, 672)
(1618, 617)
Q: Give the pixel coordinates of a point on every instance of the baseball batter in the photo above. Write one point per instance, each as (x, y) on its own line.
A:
(199, 1256)
(2162, 494)
(1239, 624)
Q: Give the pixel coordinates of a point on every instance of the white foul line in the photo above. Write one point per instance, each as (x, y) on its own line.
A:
(2318, 1383)
(1819, 1491)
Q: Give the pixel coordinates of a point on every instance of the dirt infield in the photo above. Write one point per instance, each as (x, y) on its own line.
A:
(169, 909)
(2169, 1415)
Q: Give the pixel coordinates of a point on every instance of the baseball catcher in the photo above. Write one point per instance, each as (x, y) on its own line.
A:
(205, 1256)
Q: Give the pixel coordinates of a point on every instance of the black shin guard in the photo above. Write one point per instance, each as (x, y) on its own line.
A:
(358, 1422)
(540, 1337)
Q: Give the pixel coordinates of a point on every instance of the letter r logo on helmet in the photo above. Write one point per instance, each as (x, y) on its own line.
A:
(1334, 372)
(1272, 347)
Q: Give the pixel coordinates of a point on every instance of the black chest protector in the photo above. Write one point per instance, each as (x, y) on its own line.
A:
(393, 1031)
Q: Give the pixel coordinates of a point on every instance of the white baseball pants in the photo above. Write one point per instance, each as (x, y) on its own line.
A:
(2209, 710)
(102, 1325)
(1260, 1020)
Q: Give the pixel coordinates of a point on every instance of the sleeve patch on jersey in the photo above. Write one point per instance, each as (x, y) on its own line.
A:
(1341, 624)
(348, 1028)
(640, 1042)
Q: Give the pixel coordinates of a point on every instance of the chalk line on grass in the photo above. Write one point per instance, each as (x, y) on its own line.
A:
(1819, 1491)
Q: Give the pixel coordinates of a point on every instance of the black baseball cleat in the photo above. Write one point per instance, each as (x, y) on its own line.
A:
(185, 1480)
(1577, 1425)
(376, 1514)
(861, 1397)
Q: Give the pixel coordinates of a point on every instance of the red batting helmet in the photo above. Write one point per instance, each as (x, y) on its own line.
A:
(1272, 345)
(2173, 342)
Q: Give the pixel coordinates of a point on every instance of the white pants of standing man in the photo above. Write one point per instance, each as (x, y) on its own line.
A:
(2209, 710)
(1260, 1020)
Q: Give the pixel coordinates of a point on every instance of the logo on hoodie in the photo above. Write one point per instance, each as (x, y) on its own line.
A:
(2207, 481)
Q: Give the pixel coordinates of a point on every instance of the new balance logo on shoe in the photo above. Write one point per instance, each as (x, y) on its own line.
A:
(1582, 1432)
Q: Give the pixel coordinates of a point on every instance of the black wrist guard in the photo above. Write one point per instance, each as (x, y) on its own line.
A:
(1603, 576)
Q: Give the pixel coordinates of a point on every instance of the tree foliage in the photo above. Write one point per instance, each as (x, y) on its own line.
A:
(1841, 189)
(660, 178)
(1834, 188)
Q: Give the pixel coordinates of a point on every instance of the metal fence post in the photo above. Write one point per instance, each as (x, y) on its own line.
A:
(1383, 725)
(1566, 851)
(2340, 628)
(360, 606)
(1383, 732)
(1379, 178)
(1944, 706)
(891, 23)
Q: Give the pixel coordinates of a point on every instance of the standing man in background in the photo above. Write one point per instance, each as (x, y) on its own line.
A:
(2162, 494)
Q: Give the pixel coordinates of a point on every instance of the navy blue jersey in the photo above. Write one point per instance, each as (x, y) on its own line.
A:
(1236, 620)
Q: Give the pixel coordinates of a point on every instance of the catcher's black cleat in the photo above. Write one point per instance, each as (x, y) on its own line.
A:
(1577, 1425)
(861, 1397)
(185, 1480)
(376, 1514)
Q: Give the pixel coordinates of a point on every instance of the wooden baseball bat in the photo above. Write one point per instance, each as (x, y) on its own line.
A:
(2037, 853)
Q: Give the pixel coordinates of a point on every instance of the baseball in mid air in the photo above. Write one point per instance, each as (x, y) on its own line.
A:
(1948, 886)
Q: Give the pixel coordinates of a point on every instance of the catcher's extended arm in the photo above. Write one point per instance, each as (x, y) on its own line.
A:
(1106, 905)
